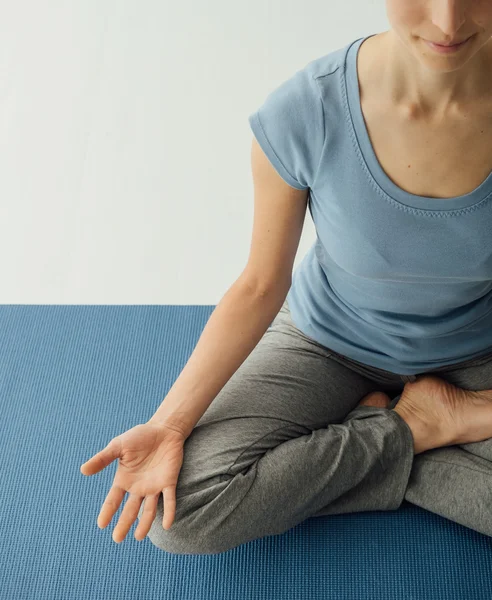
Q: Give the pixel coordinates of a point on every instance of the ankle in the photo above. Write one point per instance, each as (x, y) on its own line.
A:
(425, 435)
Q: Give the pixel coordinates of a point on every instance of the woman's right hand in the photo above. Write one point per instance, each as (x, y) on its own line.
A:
(150, 459)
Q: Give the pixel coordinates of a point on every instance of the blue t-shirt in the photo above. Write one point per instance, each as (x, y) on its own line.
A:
(394, 280)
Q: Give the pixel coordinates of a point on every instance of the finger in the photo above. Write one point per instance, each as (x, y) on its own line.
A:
(127, 518)
(169, 506)
(148, 516)
(102, 459)
(110, 506)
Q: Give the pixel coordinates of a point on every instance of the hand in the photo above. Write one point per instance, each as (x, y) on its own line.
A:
(150, 459)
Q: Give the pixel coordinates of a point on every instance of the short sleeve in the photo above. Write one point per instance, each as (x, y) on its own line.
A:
(289, 127)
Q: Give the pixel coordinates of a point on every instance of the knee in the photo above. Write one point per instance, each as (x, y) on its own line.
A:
(178, 540)
(185, 536)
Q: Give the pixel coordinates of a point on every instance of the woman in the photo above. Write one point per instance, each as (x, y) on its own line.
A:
(388, 141)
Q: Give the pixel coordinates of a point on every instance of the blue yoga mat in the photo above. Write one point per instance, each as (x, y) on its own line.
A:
(72, 378)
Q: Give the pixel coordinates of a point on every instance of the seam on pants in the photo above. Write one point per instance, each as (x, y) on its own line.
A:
(408, 378)
(257, 440)
(447, 462)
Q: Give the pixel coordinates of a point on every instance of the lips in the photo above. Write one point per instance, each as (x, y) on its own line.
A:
(452, 44)
(447, 49)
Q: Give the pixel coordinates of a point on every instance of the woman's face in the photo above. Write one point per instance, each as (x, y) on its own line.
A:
(442, 22)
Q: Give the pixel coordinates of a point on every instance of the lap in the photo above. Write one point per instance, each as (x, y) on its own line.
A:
(288, 386)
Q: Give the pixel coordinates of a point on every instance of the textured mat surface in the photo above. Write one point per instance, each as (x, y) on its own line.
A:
(73, 377)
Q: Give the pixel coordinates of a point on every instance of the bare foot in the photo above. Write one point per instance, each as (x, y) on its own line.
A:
(456, 416)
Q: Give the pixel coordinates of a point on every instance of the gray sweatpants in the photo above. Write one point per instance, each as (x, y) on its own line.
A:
(284, 440)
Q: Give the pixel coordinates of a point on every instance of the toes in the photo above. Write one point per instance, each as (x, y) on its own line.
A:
(378, 399)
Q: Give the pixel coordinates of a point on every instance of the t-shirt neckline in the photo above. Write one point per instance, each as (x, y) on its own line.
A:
(356, 117)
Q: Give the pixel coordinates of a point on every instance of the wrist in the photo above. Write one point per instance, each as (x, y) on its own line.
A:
(174, 422)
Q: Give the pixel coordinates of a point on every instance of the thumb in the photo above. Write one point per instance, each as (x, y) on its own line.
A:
(102, 459)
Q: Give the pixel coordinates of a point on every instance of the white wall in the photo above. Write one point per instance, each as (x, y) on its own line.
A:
(125, 173)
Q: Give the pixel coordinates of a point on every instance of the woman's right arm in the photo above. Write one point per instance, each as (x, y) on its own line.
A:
(233, 330)
(249, 306)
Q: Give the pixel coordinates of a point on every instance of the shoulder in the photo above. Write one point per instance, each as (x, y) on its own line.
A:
(328, 64)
